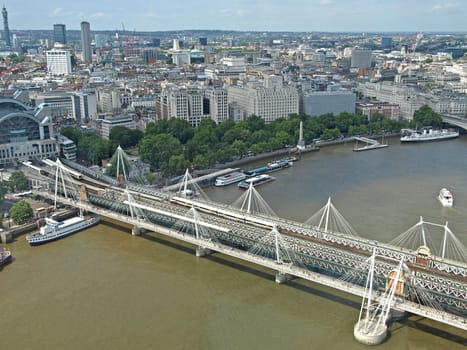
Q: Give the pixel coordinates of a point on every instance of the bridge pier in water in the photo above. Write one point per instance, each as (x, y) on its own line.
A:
(137, 231)
(282, 278)
(201, 251)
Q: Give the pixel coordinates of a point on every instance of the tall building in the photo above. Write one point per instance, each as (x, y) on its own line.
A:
(6, 30)
(59, 33)
(86, 42)
(108, 100)
(58, 61)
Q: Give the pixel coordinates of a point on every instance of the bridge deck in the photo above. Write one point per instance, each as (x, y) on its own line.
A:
(440, 316)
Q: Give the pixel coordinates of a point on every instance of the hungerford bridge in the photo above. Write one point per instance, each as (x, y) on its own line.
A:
(390, 277)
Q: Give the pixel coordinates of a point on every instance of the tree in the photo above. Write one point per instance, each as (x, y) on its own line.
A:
(157, 149)
(74, 134)
(125, 137)
(177, 164)
(20, 212)
(425, 116)
(18, 181)
(150, 177)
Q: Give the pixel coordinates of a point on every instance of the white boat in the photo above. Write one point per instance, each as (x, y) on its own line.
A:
(446, 198)
(54, 230)
(427, 134)
(255, 181)
(230, 178)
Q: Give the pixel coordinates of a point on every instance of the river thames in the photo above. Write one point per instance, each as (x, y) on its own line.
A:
(105, 289)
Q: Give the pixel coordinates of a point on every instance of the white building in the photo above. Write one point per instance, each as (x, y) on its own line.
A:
(108, 100)
(269, 101)
(111, 122)
(58, 61)
(216, 104)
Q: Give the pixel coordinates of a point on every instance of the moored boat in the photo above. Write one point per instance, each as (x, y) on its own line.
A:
(428, 134)
(446, 198)
(230, 178)
(255, 181)
(54, 230)
(5, 257)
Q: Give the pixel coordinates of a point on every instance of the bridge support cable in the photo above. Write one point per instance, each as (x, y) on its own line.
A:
(275, 247)
(447, 245)
(252, 202)
(328, 219)
(122, 162)
(188, 187)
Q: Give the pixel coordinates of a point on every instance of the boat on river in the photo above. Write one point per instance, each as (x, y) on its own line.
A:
(446, 198)
(271, 166)
(5, 257)
(255, 181)
(54, 230)
(427, 134)
(230, 178)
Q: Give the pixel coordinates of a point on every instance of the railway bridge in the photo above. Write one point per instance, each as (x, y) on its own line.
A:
(431, 286)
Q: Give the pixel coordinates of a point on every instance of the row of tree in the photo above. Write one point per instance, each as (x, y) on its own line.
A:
(173, 145)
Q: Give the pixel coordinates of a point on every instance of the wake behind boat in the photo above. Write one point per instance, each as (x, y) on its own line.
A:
(427, 134)
(54, 230)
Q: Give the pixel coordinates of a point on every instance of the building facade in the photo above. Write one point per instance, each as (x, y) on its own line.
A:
(270, 100)
(58, 61)
(119, 120)
(86, 42)
(25, 133)
(323, 102)
(60, 34)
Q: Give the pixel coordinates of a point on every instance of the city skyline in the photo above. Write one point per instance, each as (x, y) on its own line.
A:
(244, 15)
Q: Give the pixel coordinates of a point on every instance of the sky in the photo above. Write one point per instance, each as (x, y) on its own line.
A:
(243, 15)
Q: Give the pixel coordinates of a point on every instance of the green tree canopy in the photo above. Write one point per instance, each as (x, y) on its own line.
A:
(18, 181)
(425, 116)
(20, 212)
(125, 137)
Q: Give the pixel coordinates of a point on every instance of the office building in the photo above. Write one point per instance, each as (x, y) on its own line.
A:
(361, 58)
(270, 100)
(216, 104)
(324, 102)
(6, 29)
(86, 42)
(389, 110)
(58, 60)
(60, 34)
(108, 100)
(120, 120)
(386, 42)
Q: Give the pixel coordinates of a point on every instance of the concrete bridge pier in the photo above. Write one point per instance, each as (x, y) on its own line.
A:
(137, 231)
(282, 278)
(6, 237)
(201, 251)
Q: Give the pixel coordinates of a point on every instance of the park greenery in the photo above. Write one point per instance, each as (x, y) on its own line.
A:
(171, 146)
(21, 212)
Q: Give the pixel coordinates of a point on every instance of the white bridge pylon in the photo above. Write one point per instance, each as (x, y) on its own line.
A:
(328, 219)
(371, 328)
(251, 202)
(448, 247)
(274, 246)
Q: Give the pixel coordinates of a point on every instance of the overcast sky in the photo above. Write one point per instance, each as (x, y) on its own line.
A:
(258, 15)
